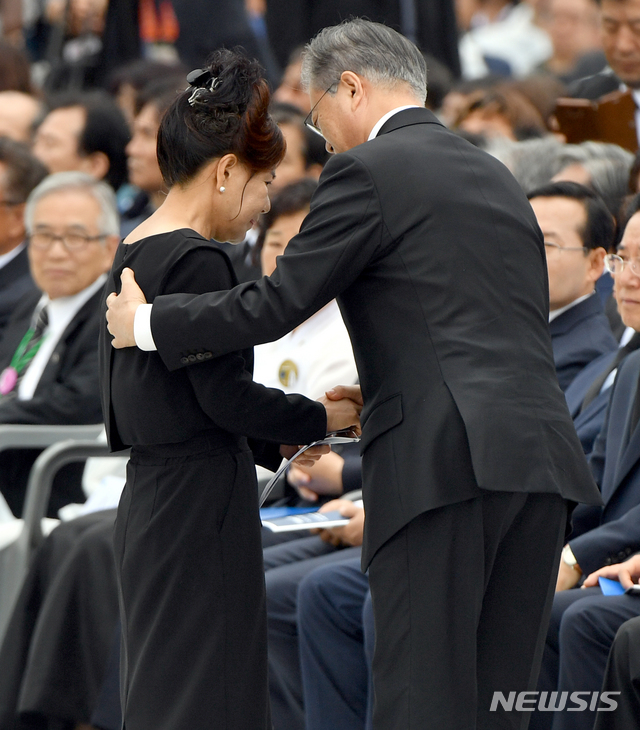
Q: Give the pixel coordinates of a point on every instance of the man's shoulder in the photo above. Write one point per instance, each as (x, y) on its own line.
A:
(587, 313)
(593, 87)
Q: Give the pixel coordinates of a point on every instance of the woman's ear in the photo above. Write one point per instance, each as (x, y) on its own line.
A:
(225, 167)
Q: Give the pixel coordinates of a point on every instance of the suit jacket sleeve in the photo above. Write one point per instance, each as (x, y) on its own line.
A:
(224, 387)
(610, 543)
(341, 235)
(68, 391)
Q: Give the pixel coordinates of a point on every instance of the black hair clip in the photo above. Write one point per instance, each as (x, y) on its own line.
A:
(201, 80)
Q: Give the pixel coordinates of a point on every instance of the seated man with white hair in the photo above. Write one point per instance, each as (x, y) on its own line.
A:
(49, 351)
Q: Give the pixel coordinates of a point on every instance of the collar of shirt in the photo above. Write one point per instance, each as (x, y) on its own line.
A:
(61, 312)
(562, 310)
(626, 336)
(378, 125)
(6, 257)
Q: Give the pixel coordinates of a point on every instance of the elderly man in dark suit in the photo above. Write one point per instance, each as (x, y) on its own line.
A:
(578, 231)
(619, 20)
(20, 172)
(469, 453)
(49, 352)
(575, 653)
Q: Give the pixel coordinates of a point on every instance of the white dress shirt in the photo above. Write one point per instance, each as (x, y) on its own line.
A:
(562, 310)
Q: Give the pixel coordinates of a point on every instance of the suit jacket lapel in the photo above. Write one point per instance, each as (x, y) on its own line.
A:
(631, 452)
(52, 368)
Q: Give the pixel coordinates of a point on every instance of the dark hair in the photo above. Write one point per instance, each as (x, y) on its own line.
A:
(15, 70)
(23, 170)
(633, 174)
(599, 228)
(314, 148)
(231, 118)
(293, 198)
(141, 72)
(105, 130)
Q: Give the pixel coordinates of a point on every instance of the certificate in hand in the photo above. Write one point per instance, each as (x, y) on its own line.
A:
(309, 521)
(336, 437)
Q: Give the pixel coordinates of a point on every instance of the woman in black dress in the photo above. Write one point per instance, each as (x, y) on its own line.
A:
(187, 537)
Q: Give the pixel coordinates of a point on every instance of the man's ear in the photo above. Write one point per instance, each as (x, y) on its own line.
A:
(355, 87)
(96, 164)
(14, 227)
(596, 257)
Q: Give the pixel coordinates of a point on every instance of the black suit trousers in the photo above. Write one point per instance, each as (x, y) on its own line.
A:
(462, 596)
(622, 676)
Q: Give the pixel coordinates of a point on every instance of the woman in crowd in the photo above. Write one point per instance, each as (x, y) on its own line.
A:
(187, 538)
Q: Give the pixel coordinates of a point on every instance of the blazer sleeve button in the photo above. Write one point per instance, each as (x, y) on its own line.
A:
(199, 356)
(191, 358)
(208, 355)
(184, 360)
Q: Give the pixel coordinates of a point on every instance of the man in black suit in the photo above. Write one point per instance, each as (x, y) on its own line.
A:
(49, 353)
(576, 650)
(619, 20)
(469, 453)
(578, 230)
(20, 172)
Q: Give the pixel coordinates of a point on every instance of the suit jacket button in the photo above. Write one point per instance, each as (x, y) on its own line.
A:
(192, 358)
(184, 360)
(55, 357)
(608, 561)
(208, 355)
(199, 356)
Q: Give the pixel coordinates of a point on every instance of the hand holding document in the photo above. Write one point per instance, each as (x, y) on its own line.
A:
(346, 436)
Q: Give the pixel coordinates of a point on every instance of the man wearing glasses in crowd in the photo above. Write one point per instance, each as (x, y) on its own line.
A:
(578, 231)
(49, 354)
(469, 453)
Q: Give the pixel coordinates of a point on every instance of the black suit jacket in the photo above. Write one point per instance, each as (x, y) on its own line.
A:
(578, 336)
(614, 532)
(143, 403)
(15, 283)
(292, 23)
(67, 394)
(593, 87)
(439, 268)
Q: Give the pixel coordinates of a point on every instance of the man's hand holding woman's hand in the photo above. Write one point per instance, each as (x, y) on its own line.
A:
(343, 405)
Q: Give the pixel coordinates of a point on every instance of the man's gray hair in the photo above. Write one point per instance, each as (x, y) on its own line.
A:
(371, 50)
(109, 223)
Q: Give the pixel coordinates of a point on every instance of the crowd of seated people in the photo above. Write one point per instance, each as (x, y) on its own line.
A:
(59, 657)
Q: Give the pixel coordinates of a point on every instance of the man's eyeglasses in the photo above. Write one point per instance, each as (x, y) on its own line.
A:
(616, 264)
(308, 122)
(71, 240)
(553, 248)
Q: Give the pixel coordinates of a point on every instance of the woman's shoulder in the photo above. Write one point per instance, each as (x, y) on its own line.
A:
(166, 248)
(175, 257)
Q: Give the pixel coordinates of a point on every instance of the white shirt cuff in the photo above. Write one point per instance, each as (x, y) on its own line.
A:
(142, 328)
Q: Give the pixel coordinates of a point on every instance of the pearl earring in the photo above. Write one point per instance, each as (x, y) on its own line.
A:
(222, 189)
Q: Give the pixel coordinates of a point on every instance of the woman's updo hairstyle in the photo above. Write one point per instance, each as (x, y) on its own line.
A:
(224, 111)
